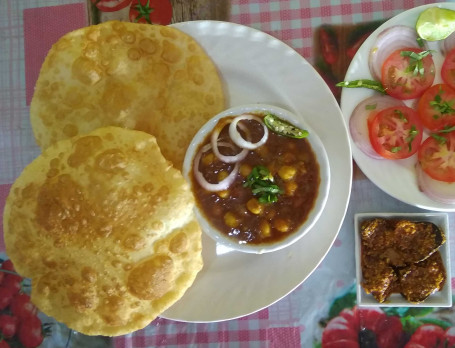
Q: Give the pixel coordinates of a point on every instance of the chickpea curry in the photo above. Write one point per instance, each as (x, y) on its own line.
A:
(254, 185)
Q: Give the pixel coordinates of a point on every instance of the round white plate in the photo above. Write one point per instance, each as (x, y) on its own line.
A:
(257, 68)
(396, 178)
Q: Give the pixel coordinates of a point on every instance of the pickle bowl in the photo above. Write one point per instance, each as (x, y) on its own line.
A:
(438, 298)
(211, 225)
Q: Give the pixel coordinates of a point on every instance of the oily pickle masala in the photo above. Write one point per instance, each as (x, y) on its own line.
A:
(401, 256)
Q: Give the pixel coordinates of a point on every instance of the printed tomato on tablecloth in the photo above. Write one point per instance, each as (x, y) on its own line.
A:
(20, 325)
(350, 326)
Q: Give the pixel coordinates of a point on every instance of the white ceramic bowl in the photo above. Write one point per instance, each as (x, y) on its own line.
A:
(324, 186)
(441, 298)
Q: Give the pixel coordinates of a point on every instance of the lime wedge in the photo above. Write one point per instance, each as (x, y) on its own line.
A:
(435, 23)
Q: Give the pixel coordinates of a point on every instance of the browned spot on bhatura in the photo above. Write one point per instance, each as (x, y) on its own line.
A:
(70, 130)
(171, 53)
(179, 243)
(86, 71)
(128, 37)
(84, 147)
(148, 45)
(134, 54)
(152, 278)
(89, 274)
(111, 161)
(134, 242)
(168, 32)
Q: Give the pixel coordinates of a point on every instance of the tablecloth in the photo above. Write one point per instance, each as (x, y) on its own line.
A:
(298, 319)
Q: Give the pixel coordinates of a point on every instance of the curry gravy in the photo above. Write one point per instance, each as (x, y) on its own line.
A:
(236, 211)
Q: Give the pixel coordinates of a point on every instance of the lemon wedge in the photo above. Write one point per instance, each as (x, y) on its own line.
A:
(435, 23)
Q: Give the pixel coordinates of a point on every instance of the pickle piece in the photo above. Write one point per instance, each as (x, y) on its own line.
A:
(282, 127)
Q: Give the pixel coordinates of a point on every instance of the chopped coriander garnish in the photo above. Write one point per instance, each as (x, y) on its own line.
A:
(395, 149)
(371, 106)
(261, 182)
(442, 106)
(415, 61)
(412, 134)
(401, 115)
(420, 42)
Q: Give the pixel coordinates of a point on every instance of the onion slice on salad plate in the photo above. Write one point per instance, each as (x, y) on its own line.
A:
(440, 191)
(388, 41)
(358, 122)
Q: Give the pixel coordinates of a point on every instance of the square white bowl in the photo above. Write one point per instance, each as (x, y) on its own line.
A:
(441, 298)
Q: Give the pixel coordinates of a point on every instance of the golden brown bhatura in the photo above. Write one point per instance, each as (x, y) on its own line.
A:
(103, 225)
(152, 78)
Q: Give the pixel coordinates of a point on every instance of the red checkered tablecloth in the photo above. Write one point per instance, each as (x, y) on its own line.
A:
(27, 30)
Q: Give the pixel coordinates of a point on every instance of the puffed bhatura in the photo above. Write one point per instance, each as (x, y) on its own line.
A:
(103, 225)
(152, 78)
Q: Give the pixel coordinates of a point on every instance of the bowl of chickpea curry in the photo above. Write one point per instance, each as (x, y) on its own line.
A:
(260, 177)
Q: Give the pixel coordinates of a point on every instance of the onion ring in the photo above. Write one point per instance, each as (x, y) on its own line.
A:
(358, 122)
(237, 137)
(214, 141)
(388, 41)
(223, 184)
(439, 191)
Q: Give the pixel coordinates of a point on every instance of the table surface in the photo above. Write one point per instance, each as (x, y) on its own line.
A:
(299, 318)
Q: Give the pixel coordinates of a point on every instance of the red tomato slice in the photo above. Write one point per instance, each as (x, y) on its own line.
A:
(436, 107)
(110, 5)
(400, 77)
(396, 132)
(437, 157)
(448, 69)
(151, 11)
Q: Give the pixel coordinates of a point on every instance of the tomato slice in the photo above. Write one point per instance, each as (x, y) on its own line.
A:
(396, 132)
(404, 78)
(448, 69)
(151, 11)
(436, 107)
(437, 156)
(110, 5)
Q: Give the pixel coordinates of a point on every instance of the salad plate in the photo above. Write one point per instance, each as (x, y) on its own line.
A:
(257, 68)
(398, 178)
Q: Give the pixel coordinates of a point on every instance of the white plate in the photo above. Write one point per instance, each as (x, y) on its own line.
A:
(396, 178)
(441, 298)
(257, 68)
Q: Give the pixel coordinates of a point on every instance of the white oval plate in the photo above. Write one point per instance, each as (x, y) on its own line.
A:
(396, 178)
(257, 68)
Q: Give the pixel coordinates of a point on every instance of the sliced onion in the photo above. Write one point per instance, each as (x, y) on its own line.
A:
(388, 41)
(448, 43)
(214, 141)
(223, 184)
(237, 137)
(358, 122)
(439, 191)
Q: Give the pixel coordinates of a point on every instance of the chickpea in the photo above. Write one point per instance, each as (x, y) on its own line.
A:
(290, 187)
(208, 159)
(287, 172)
(223, 194)
(245, 170)
(254, 206)
(231, 220)
(222, 175)
(281, 225)
(262, 151)
(265, 229)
